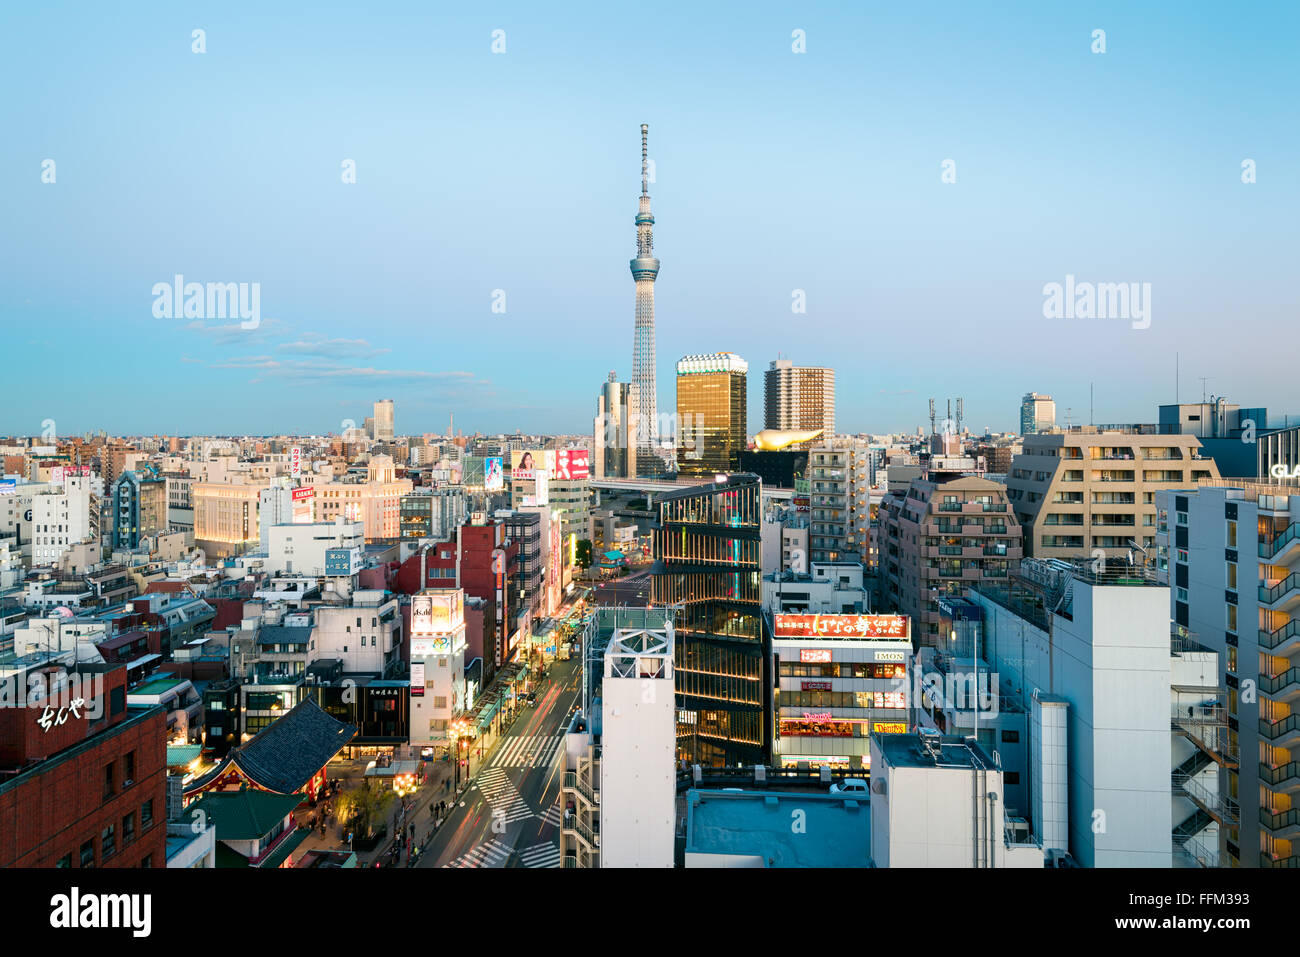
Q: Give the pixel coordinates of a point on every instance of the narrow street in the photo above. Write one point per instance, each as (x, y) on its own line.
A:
(509, 816)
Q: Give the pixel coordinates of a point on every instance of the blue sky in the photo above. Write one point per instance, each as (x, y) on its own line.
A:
(519, 171)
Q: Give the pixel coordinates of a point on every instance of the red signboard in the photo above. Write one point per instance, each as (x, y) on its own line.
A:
(815, 685)
(571, 464)
(841, 626)
(302, 494)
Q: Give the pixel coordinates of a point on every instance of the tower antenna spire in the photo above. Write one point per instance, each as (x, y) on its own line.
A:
(645, 163)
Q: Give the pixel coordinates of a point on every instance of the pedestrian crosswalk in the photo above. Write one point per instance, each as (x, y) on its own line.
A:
(502, 796)
(528, 750)
(552, 815)
(491, 853)
(540, 855)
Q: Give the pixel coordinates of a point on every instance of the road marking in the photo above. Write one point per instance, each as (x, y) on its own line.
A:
(490, 854)
(541, 855)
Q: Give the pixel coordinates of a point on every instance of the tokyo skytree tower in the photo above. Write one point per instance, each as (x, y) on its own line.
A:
(644, 270)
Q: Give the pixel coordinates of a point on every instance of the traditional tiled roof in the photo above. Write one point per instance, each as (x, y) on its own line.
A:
(284, 755)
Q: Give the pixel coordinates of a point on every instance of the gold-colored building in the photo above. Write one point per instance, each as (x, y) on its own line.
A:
(711, 402)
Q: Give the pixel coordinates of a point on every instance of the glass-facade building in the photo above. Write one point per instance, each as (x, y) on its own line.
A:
(711, 404)
(708, 564)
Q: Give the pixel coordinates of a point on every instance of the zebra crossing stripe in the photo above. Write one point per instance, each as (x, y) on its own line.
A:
(533, 750)
(490, 854)
(541, 855)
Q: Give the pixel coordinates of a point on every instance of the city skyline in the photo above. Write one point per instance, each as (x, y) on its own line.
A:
(386, 286)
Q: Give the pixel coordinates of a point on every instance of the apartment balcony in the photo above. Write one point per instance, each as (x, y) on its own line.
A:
(1283, 641)
(1285, 777)
(1282, 824)
(1282, 549)
(1283, 595)
(1282, 734)
(1283, 687)
(1267, 860)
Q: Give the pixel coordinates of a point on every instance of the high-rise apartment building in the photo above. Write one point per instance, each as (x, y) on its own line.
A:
(1231, 556)
(707, 550)
(1095, 487)
(839, 503)
(945, 534)
(1037, 413)
(139, 507)
(711, 408)
(384, 420)
(614, 432)
(645, 269)
(799, 398)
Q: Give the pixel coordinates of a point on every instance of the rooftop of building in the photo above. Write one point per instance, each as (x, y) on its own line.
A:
(753, 828)
(933, 750)
(157, 685)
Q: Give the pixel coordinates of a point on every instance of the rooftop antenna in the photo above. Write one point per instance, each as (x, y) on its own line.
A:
(932, 416)
(1204, 379)
(1092, 418)
(960, 408)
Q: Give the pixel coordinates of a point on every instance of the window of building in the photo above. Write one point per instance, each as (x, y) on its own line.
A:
(1011, 777)
(1232, 576)
(109, 788)
(1232, 616)
(1232, 534)
(1010, 737)
(108, 841)
(440, 701)
(146, 814)
(129, 777)
(65, 861)
(1182, 594)
(88, 853)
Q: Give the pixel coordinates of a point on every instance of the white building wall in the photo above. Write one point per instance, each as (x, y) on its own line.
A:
(638, 783)
(1051, 769)
(1112, 663)
(300, 549)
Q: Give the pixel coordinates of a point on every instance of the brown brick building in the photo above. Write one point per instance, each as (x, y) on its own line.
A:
(78, 790)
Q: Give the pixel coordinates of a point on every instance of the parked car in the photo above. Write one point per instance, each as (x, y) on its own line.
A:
(850, 786)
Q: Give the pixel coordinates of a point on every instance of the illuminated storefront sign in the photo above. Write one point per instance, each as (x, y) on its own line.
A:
(889, 727)
(815, 656)
(815, 686)
(417, 679)
(841, 626)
